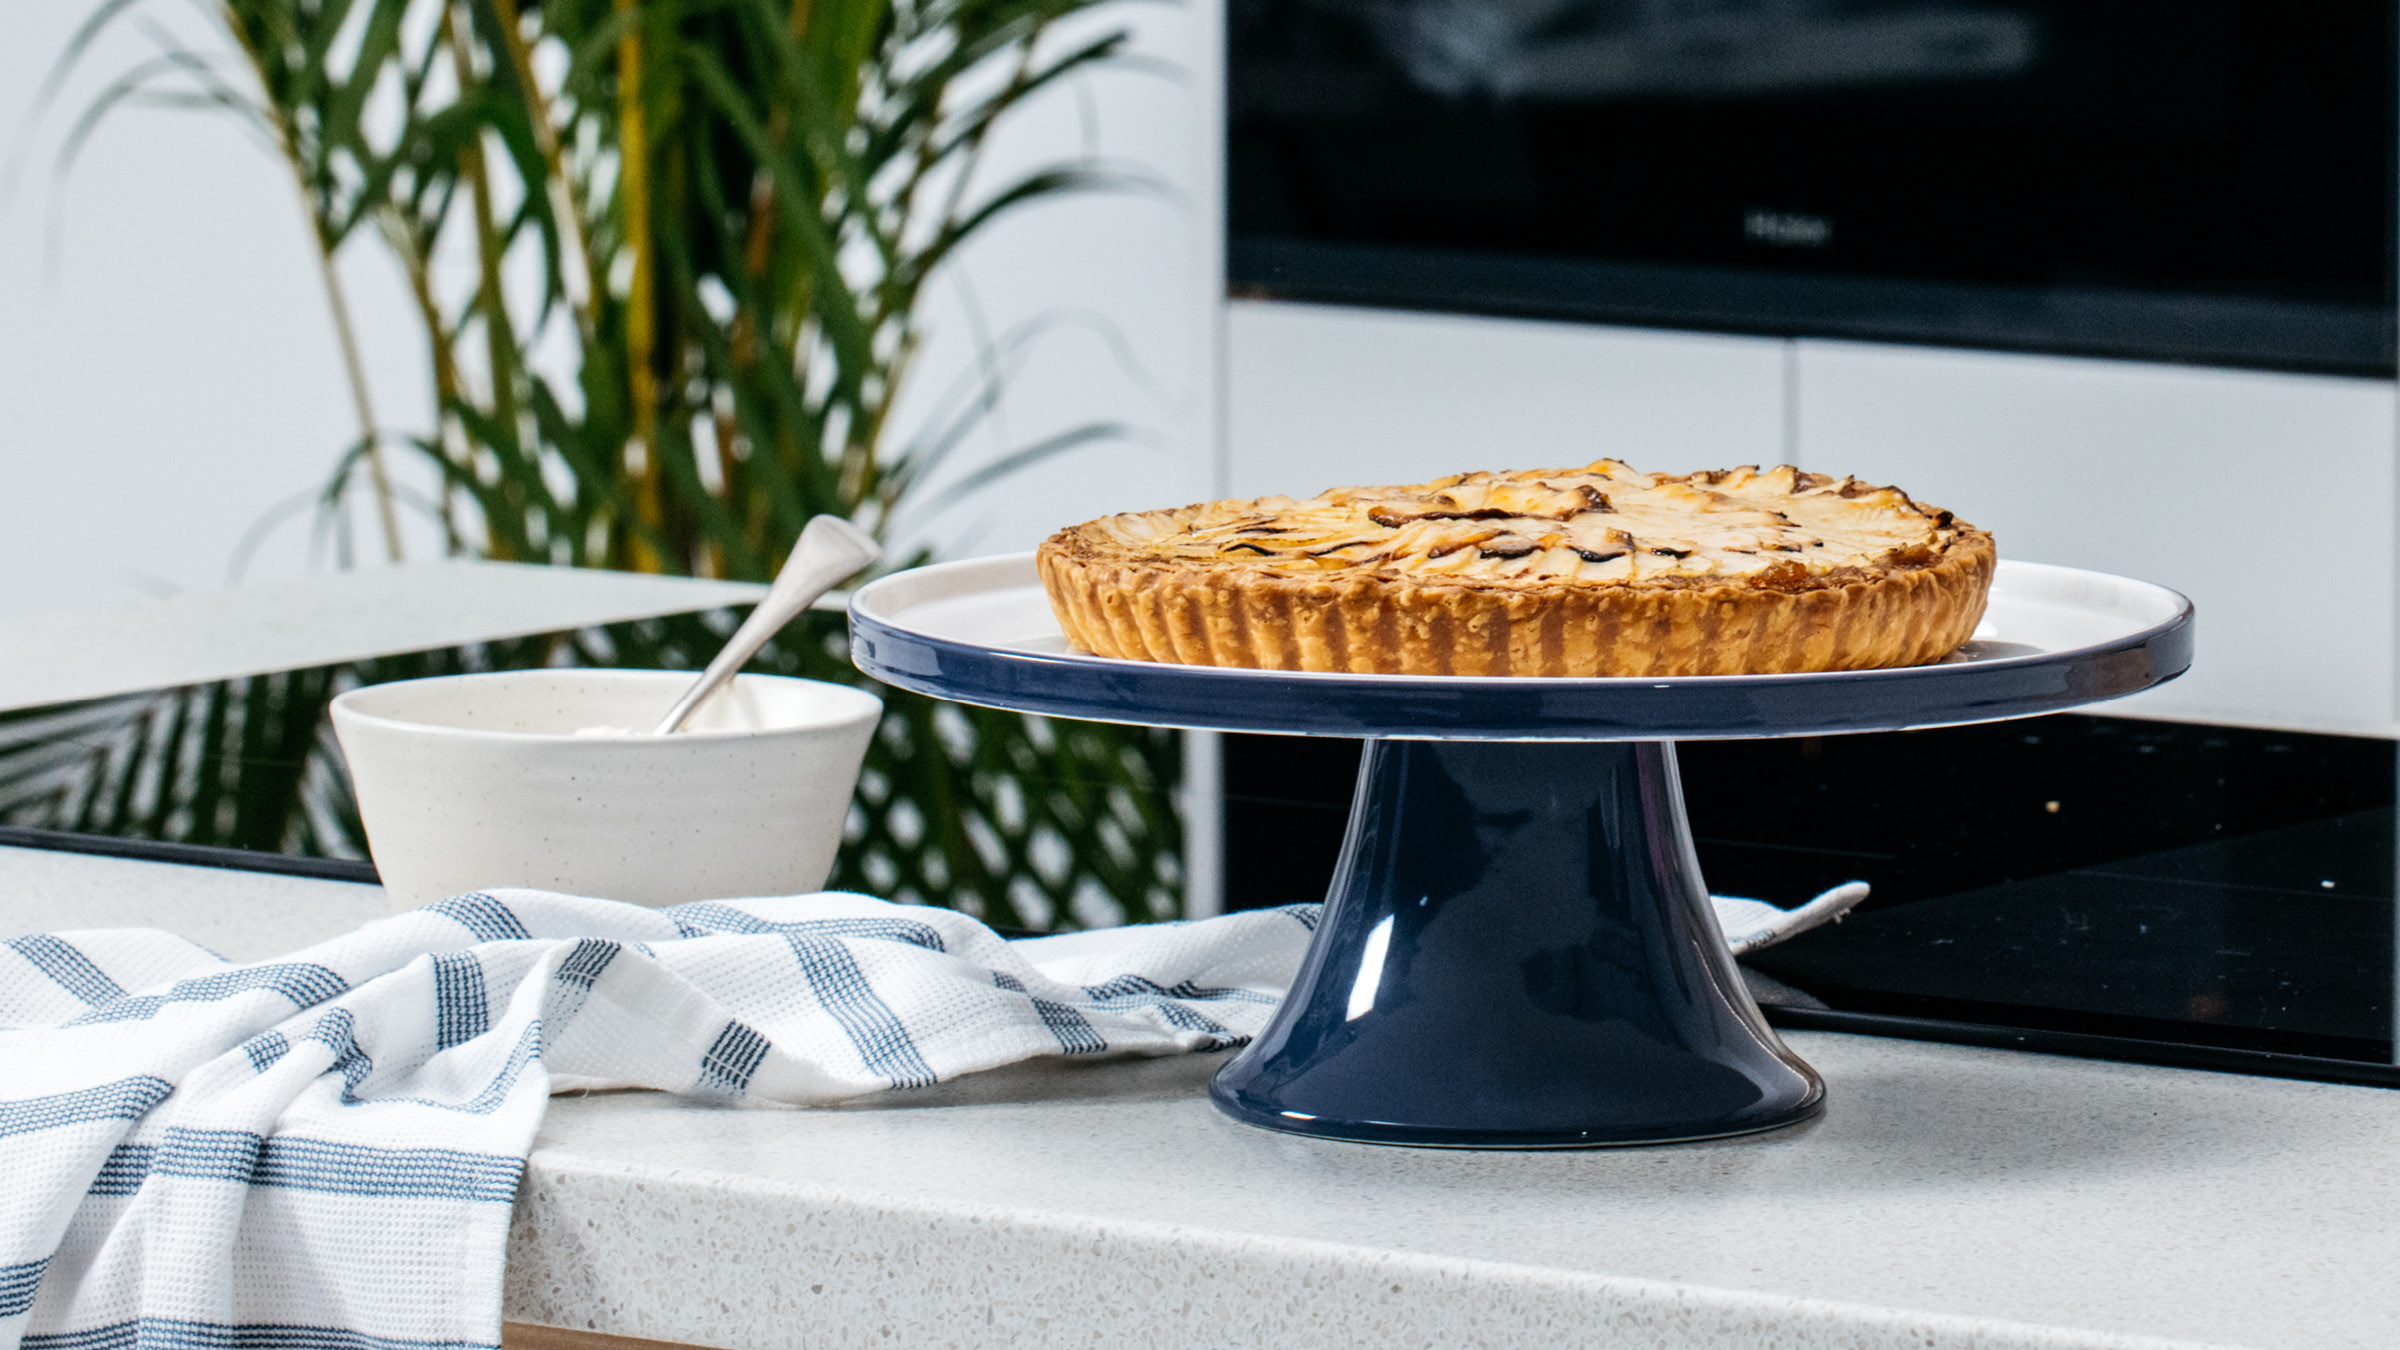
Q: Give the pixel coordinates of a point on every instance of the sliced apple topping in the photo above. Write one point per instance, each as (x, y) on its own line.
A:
(1599, 523)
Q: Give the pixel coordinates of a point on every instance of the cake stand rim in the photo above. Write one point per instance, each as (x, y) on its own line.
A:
(1011, 678)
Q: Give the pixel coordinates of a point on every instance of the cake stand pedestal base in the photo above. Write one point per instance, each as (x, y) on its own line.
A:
(1518, 952)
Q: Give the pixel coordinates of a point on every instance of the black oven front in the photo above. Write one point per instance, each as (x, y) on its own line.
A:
(2187, 180)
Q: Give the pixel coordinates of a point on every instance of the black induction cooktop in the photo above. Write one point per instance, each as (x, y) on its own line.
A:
(2207, 896)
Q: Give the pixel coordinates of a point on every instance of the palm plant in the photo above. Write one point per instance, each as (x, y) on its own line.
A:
(695, 237)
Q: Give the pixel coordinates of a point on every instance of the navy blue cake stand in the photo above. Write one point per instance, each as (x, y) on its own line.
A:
(1517, 950)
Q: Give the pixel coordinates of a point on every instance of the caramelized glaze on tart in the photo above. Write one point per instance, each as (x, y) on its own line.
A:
(1602, 570)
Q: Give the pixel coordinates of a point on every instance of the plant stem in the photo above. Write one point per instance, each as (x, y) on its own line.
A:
(499, 334)
(370, 431)
(446, 388)
(633, 169)
(575, 266)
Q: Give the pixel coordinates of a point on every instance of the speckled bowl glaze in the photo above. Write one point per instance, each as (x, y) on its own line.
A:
(475, 781)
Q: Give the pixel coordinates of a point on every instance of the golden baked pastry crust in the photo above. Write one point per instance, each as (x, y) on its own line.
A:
(1599, 571)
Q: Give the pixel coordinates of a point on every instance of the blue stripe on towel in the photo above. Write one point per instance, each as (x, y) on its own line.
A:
(480, 914)
(703, 918)
(581, 969)
(910, 931)
(67, 966)
(585, 964)
(1187, 1020)
(460, 1011)
(875, 1031)
(1132, 991)
(1307, 916)
(17, 1286)
(302, 984)
(338, 1031)
(1074, 1032)
(322, 1165)
(122, 1174)
(174, 1333)
(1135, 989)
(527, 1049)
(265, 1048)
(125, 1099)
(732, 1058)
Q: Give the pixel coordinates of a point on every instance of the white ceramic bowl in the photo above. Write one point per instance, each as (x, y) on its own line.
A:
(468, 782)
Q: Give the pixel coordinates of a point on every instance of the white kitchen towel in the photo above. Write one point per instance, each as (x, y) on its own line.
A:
(320, 1152)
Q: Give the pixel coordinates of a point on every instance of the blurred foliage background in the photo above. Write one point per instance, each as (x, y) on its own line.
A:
(667, 259)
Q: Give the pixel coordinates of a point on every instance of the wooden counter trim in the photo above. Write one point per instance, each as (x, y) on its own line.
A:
(535, 1336)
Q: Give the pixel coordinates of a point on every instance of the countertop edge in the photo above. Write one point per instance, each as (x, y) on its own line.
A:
(612, 1247)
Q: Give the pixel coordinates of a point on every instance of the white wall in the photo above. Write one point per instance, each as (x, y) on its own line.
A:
(170, 379)
(2269, 499)
(1318, 396)
(1125, 284)
(167, 370)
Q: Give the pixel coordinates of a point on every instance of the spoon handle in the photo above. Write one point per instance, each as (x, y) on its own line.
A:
(829, 550)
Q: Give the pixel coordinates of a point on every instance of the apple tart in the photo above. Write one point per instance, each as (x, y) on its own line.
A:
(1602, 570)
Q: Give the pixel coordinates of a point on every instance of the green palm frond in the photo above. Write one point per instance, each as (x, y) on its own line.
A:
(732, 209)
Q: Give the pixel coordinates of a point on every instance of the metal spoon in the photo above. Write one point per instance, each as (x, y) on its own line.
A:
(830, 549)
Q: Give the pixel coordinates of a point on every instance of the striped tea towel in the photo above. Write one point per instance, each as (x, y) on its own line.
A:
(320, 1152)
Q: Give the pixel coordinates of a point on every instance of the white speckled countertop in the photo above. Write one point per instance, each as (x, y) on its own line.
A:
(1948, 1197)
(78, 642)
(241, 916)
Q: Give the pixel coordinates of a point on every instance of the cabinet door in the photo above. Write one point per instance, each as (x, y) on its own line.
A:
(1318, 397)
(2266, 498)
